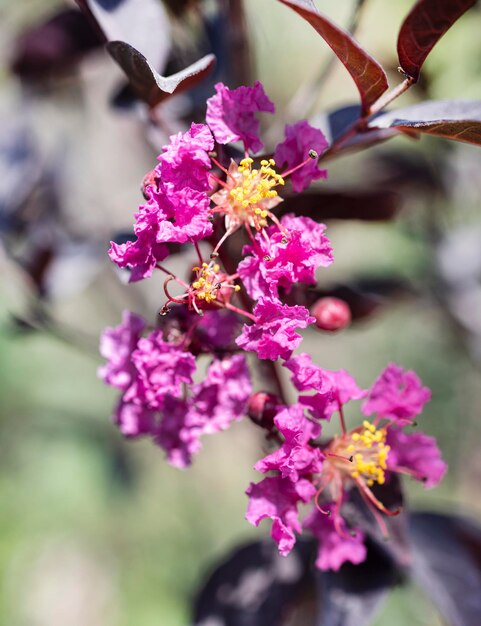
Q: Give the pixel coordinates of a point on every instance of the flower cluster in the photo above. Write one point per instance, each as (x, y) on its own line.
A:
(189, 376)
(324, 474)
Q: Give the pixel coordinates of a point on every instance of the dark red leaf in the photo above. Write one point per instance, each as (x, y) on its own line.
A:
(423, 27)
(459, 120)
(143, 24)
(148, 84)
(321, 205)
(353, 595)
(366, 72)
(53, 46)
(446, 565)
(254, 586)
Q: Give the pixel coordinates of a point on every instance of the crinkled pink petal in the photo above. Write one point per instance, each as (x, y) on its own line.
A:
(217, 330)
(143, 254)
(222, 396)
(185, 162)
(305, 374)
(162, 370)
(134, 420)
(274, 335)
(294, 150)
(117, 345)
(397, 395)
(418, 453)
(285, 258)
(295, 427)
(174, 436)
(277, 498)
(187, 215)
(295, 457)
(231, 114)
(333, 549)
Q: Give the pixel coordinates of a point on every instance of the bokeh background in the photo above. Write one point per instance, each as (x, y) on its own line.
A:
(101, 531)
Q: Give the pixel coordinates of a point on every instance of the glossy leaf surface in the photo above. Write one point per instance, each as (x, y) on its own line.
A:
(148, 84)
(459, 120)
(141, 23)
(329, 204)
(423, 27)
(447, 565)
(366, 72)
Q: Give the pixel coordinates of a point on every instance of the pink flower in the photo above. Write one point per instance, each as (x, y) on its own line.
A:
(300, 139)
(174, 435)
(117, 345)
(231, 114)
(277, 499)
(142, 255)
(212, 406)
(134, 420)
(334, 548)
(305, 374)
(418, 454)
(223, 395)
(285, 257)
(333, 389)
(397, 395)
(217, 330)
(295, 457)
(183, 214)
(273, 334)
(185, 161)
(162, 369)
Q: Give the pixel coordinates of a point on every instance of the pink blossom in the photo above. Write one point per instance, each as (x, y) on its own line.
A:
(217, 330)
(418, 453)
(277, 498)
(183, 214)
(222, 396)
(295, 457)
(174, 435)
(305, 374)
(294, 150)
(333, 389)
(273, 334)
(162, 369)
(397, 395)
(212, 406)
(117, 345)
(143, 254)
(185, 161)
(134, 420)
(285, 257)
(335, 549)
(231, 114)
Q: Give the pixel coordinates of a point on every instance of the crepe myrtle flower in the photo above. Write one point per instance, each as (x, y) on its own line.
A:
(159, 397)
(360, 458)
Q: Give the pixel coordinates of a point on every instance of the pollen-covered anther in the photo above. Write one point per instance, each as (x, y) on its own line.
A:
(368, 450)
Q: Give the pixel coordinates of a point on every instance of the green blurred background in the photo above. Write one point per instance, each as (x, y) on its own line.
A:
(95, 530)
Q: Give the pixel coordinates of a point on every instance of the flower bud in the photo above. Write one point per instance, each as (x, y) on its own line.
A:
(331, 314)
(149, 180)
(262, 409)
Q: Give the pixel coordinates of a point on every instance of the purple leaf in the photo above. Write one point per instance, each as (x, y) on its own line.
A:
(54, 46)
(447, 565)
(148, 84)
(366, 72)
(423, 27)
(141, 23)
(391, 495)
(254, 586)
(459, 120)
(353, 595)
(372, 206)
